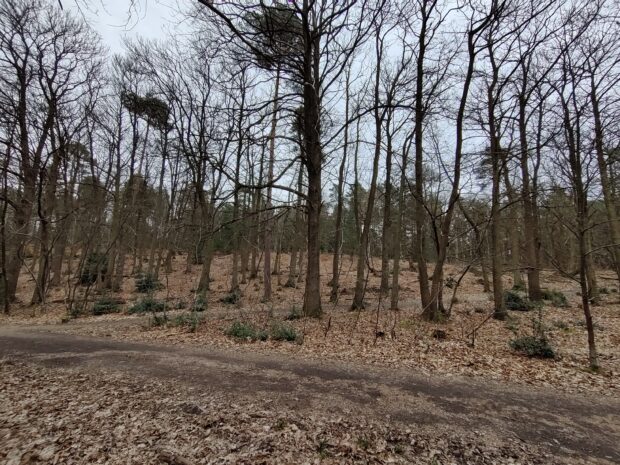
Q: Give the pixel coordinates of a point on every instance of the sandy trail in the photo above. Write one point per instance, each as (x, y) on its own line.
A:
(562, 424)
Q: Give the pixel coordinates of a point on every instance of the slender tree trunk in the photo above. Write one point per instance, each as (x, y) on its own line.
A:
(205, 274)
(428, 309)
(434, 310)
(257, 220)
(399, 226)
(530, 230)
(593, 291)
(297, 234)
(46, 201)
(513, 232)
(267, 242)
(362, 254)
(4, 297)
(234, 285)
(333, 297)
(610, 207)
(388, 236)
(495, 152)
(581, 204)
(496, 250)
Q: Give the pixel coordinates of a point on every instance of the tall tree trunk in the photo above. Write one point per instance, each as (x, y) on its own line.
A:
(237, 226)
(268, 240)
(428, 309)
(434, 309)
(205, 274)
(530, 221)
(593, 291)
(399, 226)
(314, 161)
(254, 237)
(388, 236)
(581, 205)
(362, 253)
(495, 152)
(513, 232)
(46, 202)
(610, 207)
(333, 297)
(297, 234)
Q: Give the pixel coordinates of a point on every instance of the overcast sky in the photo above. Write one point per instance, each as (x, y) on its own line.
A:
(113, 21)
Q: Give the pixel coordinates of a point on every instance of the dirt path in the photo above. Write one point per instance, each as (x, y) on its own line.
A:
(564, 425)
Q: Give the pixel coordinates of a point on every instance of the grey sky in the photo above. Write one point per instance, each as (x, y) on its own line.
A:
(113, 20)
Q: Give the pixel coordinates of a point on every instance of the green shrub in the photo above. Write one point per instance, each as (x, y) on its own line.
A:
(147, 305)
(191, 321)
(294, 314)
(282, 332)
(146, 283)
(180, 305)
(363, 443)
(519, 287)
(557, 298)
(200, 305)
(95, 265)
(243, 330)
(516, 302)
(533, 346)
(106, 305)
(159, 320)
(232, 297)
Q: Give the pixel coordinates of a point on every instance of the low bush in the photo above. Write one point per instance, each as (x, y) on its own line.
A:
(146, 282)
(282, 332)
(516, 302)
(533, 346)
(294, 314)
(159, 320)
(147, 305)
(106, 305)
(95, 265)
(200, 304)
(247, 331)
(191, 321)
(557, 298)
(232, 297)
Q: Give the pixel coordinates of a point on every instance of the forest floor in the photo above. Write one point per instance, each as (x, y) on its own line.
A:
(368, 419)
(74, 399)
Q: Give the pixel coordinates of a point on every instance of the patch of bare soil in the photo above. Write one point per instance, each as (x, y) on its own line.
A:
(474, 344)
(61, 416)
(68, 399)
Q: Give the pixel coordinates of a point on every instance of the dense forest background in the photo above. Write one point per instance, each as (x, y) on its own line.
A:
(478, 133)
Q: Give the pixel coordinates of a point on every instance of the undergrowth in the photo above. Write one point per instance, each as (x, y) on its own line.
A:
(147, 305)
(106, 305)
